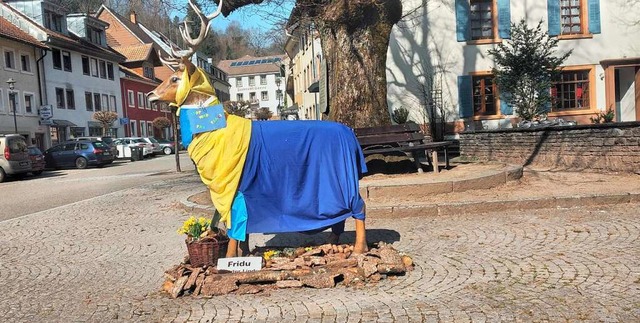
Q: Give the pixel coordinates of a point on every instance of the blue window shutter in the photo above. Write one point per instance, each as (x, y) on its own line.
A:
(553, 13)
(465, 100)
(462, 20)
(594, 16)
(505, 108)
(504, 19)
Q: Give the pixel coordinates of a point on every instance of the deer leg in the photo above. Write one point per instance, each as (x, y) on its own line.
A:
(361, 236)
(336, 230)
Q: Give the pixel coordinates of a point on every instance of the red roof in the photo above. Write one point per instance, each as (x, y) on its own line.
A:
(11, 31)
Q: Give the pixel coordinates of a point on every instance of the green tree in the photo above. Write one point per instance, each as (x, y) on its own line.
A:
(526, 66)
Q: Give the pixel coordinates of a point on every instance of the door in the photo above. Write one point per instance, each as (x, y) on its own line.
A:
(68, 154)
(626, 93)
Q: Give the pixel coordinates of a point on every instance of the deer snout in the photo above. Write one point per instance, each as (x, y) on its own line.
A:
(152, 96)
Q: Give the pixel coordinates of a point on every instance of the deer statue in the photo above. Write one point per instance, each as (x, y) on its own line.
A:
(268, 176)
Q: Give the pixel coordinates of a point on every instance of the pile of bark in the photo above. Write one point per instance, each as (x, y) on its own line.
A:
(323, 266)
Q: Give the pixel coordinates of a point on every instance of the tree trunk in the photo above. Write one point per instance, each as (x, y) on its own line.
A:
(176, 142)
(355, 37)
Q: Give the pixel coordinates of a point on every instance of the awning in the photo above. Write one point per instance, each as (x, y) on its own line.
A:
(620, 62)
(63, 123)
(94, 124)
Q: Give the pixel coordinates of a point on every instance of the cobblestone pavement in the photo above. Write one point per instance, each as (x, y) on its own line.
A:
(103, 260)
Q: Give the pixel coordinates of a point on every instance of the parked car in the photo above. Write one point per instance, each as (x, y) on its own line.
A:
(14, 156)
(156, 145)
(105, 139)
(168, 147)
(37, 160)
(123, 146)
(79, 154)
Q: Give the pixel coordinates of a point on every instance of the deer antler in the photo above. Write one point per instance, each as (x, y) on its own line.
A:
(185, 30)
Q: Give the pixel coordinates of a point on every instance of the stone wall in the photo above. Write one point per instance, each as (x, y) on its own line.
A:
(597, 147)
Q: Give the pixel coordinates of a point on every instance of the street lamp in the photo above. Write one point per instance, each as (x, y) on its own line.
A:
(12, 83)
(278, 91)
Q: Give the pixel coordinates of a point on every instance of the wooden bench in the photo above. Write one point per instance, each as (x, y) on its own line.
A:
(405, 138)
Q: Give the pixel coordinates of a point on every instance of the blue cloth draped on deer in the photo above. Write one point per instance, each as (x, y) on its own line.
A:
(298, 176)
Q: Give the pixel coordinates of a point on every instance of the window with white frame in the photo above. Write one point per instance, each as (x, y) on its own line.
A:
(263, 80)
(264, 96)
(66, 61)
(2, 109)
(149, 129)
(14, 102)
(25, 63)
(86, 70)
(110, 71)
(94, 67)
(60, 102)
(28, 102)
(134, 128)
(141, 102)
(239, 97)
(252, 80)
(113, 105)
(131, 99)
(103, 69)
(9, 59)
(147, 103)
(105, 102)
(239, 82)
(143, 128)
(154, 106)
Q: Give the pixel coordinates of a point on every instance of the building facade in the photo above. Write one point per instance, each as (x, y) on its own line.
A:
(438, 55)
(305, 54)
(219, 79)
(80, 74)
(20, 62)
(259, 80)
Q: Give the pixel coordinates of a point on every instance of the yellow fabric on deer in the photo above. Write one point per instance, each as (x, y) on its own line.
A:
(220, 154)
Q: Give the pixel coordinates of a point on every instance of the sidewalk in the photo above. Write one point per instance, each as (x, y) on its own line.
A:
(482, 187)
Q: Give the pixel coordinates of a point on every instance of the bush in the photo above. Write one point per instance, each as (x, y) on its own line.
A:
(264, 114)
(400, 115)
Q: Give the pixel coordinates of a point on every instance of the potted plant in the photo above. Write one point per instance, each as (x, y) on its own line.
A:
(205, 243)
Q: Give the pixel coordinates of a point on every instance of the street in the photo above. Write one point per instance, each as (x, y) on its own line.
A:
(55, 188)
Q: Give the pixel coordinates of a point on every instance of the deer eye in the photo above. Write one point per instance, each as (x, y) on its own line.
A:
(174, 79)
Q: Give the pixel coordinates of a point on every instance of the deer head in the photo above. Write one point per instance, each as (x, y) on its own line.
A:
(181, 61)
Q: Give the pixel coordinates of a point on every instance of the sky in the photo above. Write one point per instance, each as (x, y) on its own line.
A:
(251, 16)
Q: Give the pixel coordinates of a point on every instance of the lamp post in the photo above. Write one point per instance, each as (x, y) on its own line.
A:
(12, 83)
(278, 91)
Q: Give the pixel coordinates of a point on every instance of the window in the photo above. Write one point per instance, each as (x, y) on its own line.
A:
(57, 58)
(252, 96)
(130, 99)
(86, 70)
(252, 81)
(25, 63)
(105, 102)
(53, 21)
(66, 60)
(571, 17)
(572, 91)
(71, 100)
(1, 102)
(150, 129)
(110, 71)
(88, 100)
(94, 35)
(265, 96)
(60, 98)
(103, 69)
(239, 97)
(94, 67)
(134, 128)
(481, 18)
(147, 103)
(263, 80)
(9, 59)
(28, 103)
(141, 102)
(148, 72)
(14, 106)
(143, 128)
(484, 95)
(239, 82)
(113, 106)
(96, 102)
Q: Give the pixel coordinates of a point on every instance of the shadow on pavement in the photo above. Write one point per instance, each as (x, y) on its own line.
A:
(305, 240)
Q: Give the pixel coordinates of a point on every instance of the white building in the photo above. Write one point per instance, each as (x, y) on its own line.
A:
(447, 42)
(81, 71)
(19, 106)
(258, 80)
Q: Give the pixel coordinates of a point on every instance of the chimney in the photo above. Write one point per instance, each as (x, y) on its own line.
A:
(133, 17)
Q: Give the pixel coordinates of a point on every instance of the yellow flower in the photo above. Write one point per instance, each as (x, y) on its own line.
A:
(269, 254)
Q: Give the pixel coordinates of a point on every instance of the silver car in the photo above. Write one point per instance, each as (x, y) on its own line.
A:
(14, 156)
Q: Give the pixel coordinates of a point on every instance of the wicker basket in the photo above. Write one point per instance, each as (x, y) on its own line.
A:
(206, 252)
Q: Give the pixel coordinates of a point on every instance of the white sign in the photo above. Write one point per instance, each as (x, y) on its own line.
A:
(237, 264)
(46, 115)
